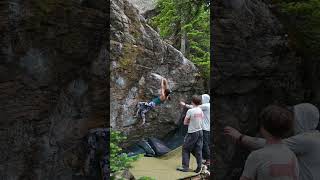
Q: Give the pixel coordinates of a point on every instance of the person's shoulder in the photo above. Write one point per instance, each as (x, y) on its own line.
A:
(314, 133)
(198, 109)
(205, 105)
(190, 110)
(194, 108)
(311, 137)
(255, 155)
(306, 136)
(259, 153)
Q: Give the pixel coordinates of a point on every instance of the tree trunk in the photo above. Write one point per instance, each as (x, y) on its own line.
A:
(183, 42)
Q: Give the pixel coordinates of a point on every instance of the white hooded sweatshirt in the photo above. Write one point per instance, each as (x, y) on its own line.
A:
(306, 143)
(205, 106)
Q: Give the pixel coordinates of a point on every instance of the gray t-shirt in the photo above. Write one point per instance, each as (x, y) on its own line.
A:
(196, 117)
(306, 146)
(206, 111)
(273, 162)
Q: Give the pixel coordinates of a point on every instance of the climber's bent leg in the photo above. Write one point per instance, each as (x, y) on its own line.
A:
(144, 109)
(143, 116)
(138, 112)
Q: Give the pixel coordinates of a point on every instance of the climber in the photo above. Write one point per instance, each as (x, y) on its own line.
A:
(305, 143)
(144, 107)
(193, 140)
(275, 161)
(205, 107)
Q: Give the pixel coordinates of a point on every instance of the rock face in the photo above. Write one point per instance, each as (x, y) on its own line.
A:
(53, 75)
(144, 5)
(139, 58)
(252, 67)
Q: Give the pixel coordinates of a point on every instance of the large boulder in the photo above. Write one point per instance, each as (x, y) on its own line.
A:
(139, 59)
(53, 75)
(253, 66)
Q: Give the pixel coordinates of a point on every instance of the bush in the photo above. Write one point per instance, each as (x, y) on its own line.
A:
(119, 161)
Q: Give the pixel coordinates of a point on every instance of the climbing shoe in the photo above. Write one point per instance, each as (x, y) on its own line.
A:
(184, 169)
(143, 121)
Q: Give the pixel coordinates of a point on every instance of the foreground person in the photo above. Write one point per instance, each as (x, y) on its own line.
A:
(193, 140)
(275, 161)
(305, 143)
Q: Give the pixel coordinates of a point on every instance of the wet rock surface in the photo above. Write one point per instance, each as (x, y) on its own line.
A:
(139, 58)
(52, 86)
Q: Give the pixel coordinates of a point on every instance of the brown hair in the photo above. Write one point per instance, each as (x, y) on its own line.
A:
(196, 100)
(278, 121)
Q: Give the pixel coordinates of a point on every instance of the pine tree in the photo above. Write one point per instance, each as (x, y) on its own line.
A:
(302, 19)
(185, 23)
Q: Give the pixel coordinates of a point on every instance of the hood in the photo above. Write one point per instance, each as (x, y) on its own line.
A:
(205, 98)
(306, 117)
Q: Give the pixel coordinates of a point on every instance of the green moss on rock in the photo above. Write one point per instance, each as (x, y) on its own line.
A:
(129, 57)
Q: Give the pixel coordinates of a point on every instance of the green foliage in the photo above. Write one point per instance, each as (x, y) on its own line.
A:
(303, 20)
(192, 17)
(119, 161)
(199, 41)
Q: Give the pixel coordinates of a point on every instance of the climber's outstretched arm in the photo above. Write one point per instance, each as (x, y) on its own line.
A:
(164, 83)
(164, 86)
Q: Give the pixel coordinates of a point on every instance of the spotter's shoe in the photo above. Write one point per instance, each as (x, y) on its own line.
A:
(199, 169)
(207, 163)
(184, 169)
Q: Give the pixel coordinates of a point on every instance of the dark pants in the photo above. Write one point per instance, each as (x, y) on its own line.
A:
(192, 144)
(206, 147)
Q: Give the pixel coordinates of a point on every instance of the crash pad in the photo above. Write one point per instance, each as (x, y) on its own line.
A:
(162, 168)
(158, 146)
